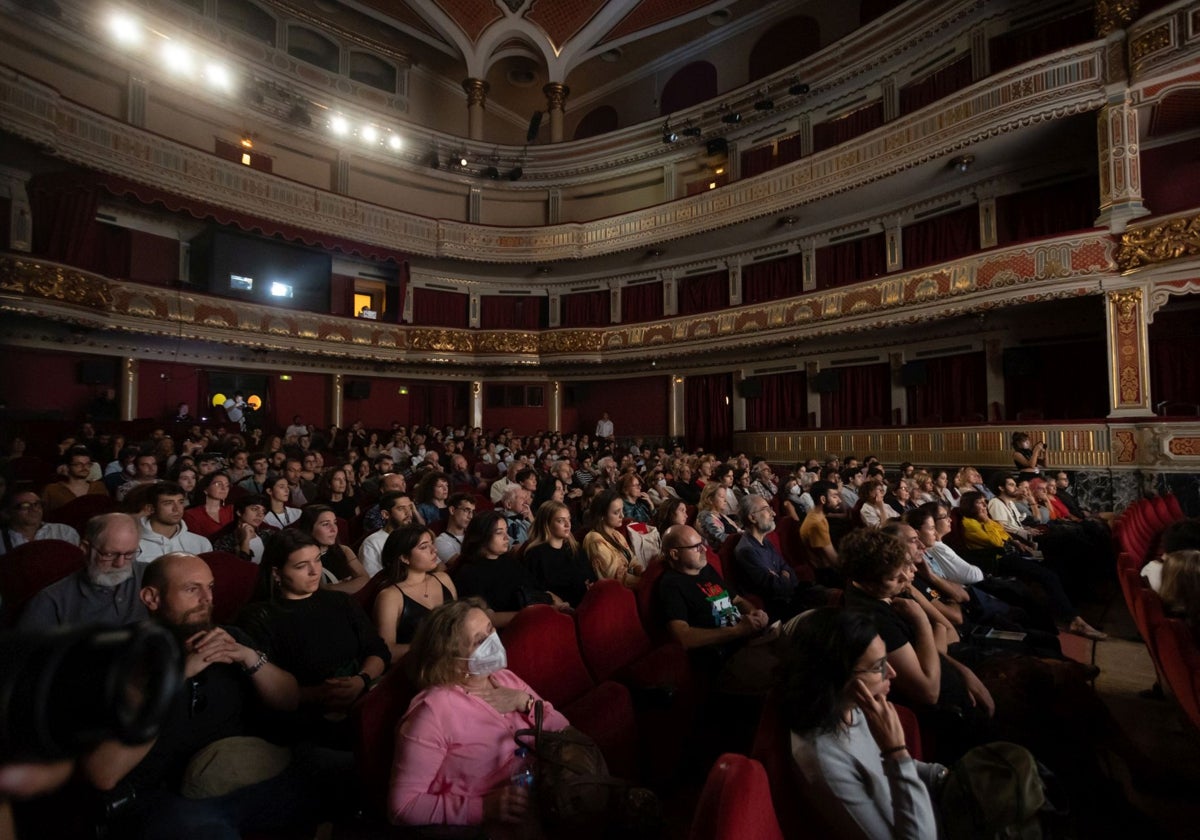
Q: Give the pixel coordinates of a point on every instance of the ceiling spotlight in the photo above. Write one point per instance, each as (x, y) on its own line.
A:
(668, 135)
(394, 142)
(516, 173)
(491, 172)
(963, 163)
(177, 57)
(218, 76)
(787, 221)
(799, 89)
(339, 126)
(369, 134)
(764, 105)
(732, 118)
(692, 131)
(125, 30)
(462, 161)
(655, 252)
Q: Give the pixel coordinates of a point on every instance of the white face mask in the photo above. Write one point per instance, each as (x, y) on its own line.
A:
(489, 657)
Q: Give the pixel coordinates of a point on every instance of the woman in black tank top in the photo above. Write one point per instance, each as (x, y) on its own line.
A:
(414, 586)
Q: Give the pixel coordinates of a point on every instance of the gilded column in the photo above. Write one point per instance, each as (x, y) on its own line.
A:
(675, 407)
(1120, 170)
(555, 406)
(477, 91)
(1128, 354)
(476, 403)
(127, 399)
(335, 400)
(556, 101)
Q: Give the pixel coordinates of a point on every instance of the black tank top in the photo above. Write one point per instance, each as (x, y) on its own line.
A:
(413, 613)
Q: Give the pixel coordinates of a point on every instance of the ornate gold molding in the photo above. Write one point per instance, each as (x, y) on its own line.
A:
(1171, 239)
(556, 95)
(477, 91)
(1112, 15)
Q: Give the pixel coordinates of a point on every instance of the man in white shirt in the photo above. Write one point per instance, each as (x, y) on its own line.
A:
(25, 524)
(449, 543)
(1003, 508)
(604, 428)
(397, 510)
(164, 531)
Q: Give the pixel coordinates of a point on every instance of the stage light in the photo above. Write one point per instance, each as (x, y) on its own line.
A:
(339, 126)
(516, 173)
(732, 119)
(798, 89)
(491, 172)
(394, 142)
(369, 134)
(462, 161)
(177, 57)
(668, 136)
(125, 30)
(219, 77)
(693, 131)
(963, 164)
(764, 105)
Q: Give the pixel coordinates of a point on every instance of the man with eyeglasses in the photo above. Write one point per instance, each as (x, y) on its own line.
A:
(78, 482)
(761, 567)
(105, 591)
(25, 524)
(449, 543)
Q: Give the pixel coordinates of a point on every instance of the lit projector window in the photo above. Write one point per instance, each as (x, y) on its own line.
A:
(281, 290)
(241, 284)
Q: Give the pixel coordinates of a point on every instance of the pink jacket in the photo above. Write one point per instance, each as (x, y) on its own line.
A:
(452, 749)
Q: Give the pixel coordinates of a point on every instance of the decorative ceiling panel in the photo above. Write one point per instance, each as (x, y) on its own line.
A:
(472, 16)
(651, 13)
(402, 15)
(562, 19)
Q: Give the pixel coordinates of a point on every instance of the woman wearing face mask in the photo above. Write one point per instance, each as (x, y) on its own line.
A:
(455, 758)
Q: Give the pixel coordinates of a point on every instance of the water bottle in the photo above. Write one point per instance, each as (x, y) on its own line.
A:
(523, 777)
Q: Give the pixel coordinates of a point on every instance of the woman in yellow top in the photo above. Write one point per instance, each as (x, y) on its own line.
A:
(981, 531)
(605, 545)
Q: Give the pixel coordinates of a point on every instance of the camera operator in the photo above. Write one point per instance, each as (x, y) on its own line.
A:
(202, 776)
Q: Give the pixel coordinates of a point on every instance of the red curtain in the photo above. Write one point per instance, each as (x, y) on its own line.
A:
(511, 312)
(955, 391)
(757, 161)
(586, 309)
(772, 280)
(1174, 363)
(435, 308)
(788, 151)
(781, 404)
(708, 412)
(705, 293)
(832, 132)
(65, 229)
(863, 398)
(1060, 208)
(1067, 381)
(953, 77)
(849, 262)
(942, 238)
(643, 302)
(1021, 45)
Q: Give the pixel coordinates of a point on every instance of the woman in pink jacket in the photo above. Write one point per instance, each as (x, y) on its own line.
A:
(455, 756)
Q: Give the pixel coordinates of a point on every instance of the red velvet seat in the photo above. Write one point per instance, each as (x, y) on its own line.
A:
(234, 581)
(31, 470)
(79, 510)
(543, 651)
(736, 803)
(649, 610)
(343, 527)
(375, 718)
(30, 568)
(370, 591)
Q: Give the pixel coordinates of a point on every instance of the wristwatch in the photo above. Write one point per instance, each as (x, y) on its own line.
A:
(257, 666)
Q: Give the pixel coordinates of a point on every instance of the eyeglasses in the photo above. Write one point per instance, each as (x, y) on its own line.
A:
(111, 556)
(690, 547)
(941, 518)
(879, 668)
(27, 505)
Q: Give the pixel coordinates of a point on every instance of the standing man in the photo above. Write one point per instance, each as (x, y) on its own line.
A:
(604, 428)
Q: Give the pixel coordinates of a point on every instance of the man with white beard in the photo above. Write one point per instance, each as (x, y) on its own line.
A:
(105, 591)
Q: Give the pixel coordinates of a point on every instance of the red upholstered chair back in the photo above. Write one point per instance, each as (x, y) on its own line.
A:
(30, 469)
(234, 580)
(955, 538)
(735, 803)
(343, 526)
(28, 569)
(542, 650)
(1148, 616)
(367, 595)
(79, 510)
(647, 601)
(375, 718)
(488, 472)
(1173, 507)
(610, 632)
(787, 535)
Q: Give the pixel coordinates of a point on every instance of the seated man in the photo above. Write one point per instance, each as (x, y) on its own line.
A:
(183, 778)
(256, 481)
(145, 472)
(515, 506)
(761, 566)
(25, 524)
(814, 530)
(390, 483)
(78, 483)
(105, 591)
(397, 510)
(711, 622)
(164, 530)
(1002, 508)
(449, 543)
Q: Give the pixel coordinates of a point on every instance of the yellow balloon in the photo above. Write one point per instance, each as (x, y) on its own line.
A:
(255, 401)
(218, 400)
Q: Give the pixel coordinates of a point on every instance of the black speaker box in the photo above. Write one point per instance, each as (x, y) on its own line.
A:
(826, 382)
(751, 388)
(357, 389)
(914, 374)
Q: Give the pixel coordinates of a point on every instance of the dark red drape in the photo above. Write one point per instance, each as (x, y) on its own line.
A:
(832, 132)
(1174, 362)
(1059, 208)
(1021, 45)
(955, 391)
(942, 238)
(782, 403)
(849, 262)
(586, 309)
(757, 161)
(643, 302)
(788, 150)
(511, 312)
(691, 85)
(704, 293)
(773, 280)
(64, 218)
(863, 398)
(436, 308)
(708, 412)
(953, 77)
(1067, 381)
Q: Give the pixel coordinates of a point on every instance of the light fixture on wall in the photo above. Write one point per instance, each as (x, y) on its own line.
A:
(962, 164)
(732, 118)
(668, 136)
(798, 88)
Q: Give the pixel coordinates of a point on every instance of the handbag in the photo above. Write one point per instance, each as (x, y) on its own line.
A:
(998, 790)
(573, 788)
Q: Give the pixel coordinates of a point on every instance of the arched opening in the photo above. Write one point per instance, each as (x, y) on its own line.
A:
(783, 45)
(596, 122)
(691, 85)
(313, 48)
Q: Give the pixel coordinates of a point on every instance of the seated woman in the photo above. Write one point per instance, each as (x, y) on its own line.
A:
(1180, 588)
(980, 531)
(605, 546)
(635, 502)
(486, 569)
(430, 497)
(554, 558)
(873, 510)
(673, 511)
(213, 513)
(415, 587)
(846, 736)
(334, 490)
(455, 757)
(244, 535)
(320, 636)
(187, 477)
(549, 489)
(711, 521)
(903, 496)
(279, 514)
(341, 569)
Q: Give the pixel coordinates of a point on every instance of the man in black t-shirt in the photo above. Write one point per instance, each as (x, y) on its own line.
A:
(194, 779)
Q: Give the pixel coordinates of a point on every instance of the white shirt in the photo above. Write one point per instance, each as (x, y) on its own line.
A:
(447, 546)
(275, 520)
(946, 564)
(371, 551)
(1005, 512)
(48, 531)
(155, 545)
(604, 429)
